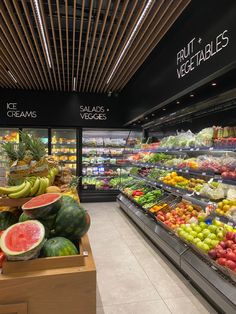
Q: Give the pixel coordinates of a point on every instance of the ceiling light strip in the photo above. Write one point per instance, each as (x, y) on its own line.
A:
(61, 44)
(110, 46)
(123, 36)
(74, 84)
(111, 21)
(41, 59)
(38, 14)
(12, 76)
(73, 43)
(143, 14)
(171, 18)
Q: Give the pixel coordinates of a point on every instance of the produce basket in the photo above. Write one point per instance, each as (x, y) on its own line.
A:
(168, 199)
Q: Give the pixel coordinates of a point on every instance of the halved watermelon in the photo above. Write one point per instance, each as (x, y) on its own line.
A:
(43, 205)
(23, 240)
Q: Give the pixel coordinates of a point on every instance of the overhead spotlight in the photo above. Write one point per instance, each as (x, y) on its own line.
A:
(134, 124)
(163, 109)
(74, 84)
(153, 114)
(191, 95)
(139, 121)
(146, 118)
(177, 102)
(213, 84)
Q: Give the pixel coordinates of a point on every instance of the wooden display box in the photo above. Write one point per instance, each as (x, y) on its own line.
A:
(57, 285)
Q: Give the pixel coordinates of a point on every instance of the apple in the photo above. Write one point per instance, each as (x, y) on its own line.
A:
(214, 243)
(229, 243)
(200, 236)
(212, 228)
(207, 241)
(205, 247)
(212, 236)
(190, 238)
(221, 253)
(230, 235)
(233, 247)
(220, 235)
(231, 256)
(196, 240)
(221, 261)
(230, 264)
(193, 233)
(217, 223)
(206, 232)
(223, 244)
(203, 225)
(212, 254)
(197, 229)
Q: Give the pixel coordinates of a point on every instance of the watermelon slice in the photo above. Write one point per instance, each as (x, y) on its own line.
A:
(43, 205)
(23, 240)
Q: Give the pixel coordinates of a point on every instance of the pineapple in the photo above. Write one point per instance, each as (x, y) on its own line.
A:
(37, 150)
(18, 166)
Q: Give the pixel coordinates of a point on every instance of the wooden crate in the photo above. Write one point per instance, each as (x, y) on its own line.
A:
(59, 285)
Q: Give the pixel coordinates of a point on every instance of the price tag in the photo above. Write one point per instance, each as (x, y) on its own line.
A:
(161, 185)
(230, 223)
(180, 170)
(213, 267)
(220, 180)
(211, 148)
(180, 150)
(177, 191)
(191, 149)
(187, 171)
(171, 169)
(167, 150)
(197, 149)
(203, 173)
(217, 218)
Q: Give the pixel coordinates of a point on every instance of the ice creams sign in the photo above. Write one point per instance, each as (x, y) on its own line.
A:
(14, 112)
(93, 112)
(194, 54)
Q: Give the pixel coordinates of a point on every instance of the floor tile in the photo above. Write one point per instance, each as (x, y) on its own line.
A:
(152, 307)
(181, 305)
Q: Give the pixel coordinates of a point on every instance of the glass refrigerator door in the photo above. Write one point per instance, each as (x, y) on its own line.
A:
(64, 147)
(39, 133)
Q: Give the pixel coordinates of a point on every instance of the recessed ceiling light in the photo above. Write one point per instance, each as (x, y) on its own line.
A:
(213, 84)
(12, 76)
(191, 95)
(177, 102)
(146, 118)
(163, 109)
(147, 6)
(134, 124)
(153, 114)
(40, 21)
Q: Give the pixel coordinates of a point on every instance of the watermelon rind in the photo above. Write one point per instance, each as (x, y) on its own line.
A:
(45, 210)
(32, 253)
(58, 246)
(7, 219)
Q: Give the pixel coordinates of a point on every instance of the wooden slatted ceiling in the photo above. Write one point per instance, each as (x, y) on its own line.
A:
(84, 38)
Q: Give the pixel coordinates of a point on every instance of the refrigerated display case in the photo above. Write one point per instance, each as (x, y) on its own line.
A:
(42, 134)
(64, 147)
(104, 166)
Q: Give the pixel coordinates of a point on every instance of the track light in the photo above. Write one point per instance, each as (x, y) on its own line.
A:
(12, 76)
(147, 6)
(213, 84)
(40, 21)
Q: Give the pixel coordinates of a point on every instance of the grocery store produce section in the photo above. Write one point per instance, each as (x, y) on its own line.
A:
(182, 193)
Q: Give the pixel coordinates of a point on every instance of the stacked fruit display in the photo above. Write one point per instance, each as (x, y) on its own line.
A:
(227, 208)
(203, 236)
(178, 181)
(51, 225)
(225, 252)
(175, 216)
(147, 200)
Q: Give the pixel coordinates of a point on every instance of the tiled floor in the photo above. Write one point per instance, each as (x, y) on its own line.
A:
(133, 277)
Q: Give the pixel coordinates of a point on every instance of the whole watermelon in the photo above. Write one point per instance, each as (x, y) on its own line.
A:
(67, 200)
(58, 246)
(72, 222)
(6, 220)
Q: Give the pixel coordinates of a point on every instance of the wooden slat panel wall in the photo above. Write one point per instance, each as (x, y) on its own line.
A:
(85, 40)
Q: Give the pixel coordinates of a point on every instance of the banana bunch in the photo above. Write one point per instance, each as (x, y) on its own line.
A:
(32, 186)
